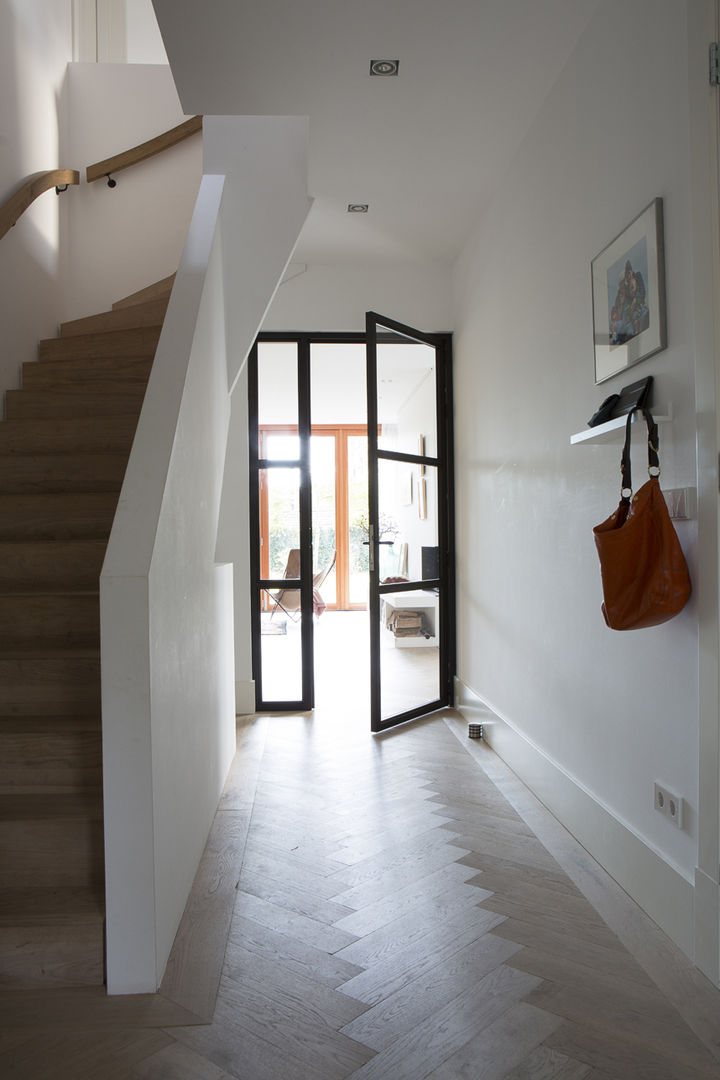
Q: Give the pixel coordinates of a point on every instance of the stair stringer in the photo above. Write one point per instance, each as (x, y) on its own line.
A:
(166, 606)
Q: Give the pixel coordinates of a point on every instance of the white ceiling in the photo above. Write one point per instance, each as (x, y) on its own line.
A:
(425, 149)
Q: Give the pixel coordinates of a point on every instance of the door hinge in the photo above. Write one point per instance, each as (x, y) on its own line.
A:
(714, 63)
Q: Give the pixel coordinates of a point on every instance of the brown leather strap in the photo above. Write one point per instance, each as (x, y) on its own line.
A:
(653, 448)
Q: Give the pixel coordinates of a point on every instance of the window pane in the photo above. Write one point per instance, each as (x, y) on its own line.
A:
(279, 446)
(358, 518)
(407, 500)
(406, 397)
(409, 653)
(280, 645)
(279, 520)
(277, 383)
(322, 463)
(338, 383)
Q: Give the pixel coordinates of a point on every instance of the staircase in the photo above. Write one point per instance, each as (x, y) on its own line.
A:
(63, 452)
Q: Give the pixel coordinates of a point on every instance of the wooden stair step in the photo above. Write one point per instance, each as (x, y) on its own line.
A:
(50, 755)
(75, 807)
(28, 473)
(59, 683)
(157, 291)
(149, 313)
(50, 565)
(62, 435)
(55, 620)
(51, 840)
(136, 341)
(50, 907)
(51, 937)
(37, 404)
(105, 374)
(87, 516)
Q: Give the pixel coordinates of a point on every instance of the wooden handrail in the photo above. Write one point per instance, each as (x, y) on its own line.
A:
(28, 192)
(144, 150)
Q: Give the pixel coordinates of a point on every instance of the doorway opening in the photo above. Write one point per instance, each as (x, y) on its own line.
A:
(350, 539)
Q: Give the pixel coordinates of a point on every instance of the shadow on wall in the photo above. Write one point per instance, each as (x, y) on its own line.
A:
(31, 301)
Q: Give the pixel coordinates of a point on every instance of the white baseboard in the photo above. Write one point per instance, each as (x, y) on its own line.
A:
(245, 697)
(707, 926)
(660, 889)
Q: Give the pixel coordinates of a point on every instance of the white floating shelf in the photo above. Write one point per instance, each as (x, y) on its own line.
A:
(612, 431)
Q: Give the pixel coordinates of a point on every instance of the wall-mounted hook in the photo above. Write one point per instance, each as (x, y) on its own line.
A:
(111, 183)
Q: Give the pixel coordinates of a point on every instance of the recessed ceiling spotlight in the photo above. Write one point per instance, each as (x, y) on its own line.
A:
(358, 208)
(384, 67)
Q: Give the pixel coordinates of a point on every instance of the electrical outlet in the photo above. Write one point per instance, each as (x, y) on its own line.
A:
(669, 804)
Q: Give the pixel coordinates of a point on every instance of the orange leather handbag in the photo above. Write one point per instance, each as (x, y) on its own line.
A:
(645, 577)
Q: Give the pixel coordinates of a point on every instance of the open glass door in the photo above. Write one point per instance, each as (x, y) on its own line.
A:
(411, 514)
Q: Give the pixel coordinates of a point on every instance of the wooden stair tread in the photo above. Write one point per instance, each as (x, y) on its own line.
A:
(135, 341)
(157, 290)
(50, 907)
(85, 516)
(60, 473)
(148, 313)
(66, 434)
(46, 650)
(40, 404)
(52, 595)
(113, 374)
(76, 806)
(50, 725)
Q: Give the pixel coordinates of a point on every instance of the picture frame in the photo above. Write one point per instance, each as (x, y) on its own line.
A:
(628, 295)
(422, 498)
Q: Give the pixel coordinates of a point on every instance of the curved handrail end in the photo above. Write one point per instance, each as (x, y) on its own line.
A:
(28, 191)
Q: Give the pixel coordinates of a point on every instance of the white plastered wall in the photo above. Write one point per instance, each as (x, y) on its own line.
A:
(121, 239)
(588, 717)
(336, 296)
(35, 47)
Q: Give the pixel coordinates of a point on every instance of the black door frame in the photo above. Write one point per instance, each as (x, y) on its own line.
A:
(446, 520)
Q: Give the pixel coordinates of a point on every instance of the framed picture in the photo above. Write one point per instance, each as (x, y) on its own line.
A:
(422, 498)
(628, 290)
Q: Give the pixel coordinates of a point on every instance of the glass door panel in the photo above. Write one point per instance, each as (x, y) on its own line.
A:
(280, 513)
(279, 520)
(406, 393)
(277, 383)
(357, 523)
(410, 500)
(280, 446)
(281, 669)
(409, 638)
(322, 465)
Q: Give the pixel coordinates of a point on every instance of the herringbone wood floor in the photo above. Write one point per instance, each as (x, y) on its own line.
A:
(395, 918)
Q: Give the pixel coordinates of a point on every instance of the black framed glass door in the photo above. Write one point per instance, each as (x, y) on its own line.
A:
(411, 516)
(281, 517)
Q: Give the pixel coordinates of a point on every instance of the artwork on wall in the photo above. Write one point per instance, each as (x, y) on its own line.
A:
(628, 291)
(422, 498)
(422, 482)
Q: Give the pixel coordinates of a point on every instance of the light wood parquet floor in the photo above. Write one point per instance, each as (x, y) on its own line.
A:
(384, 909)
